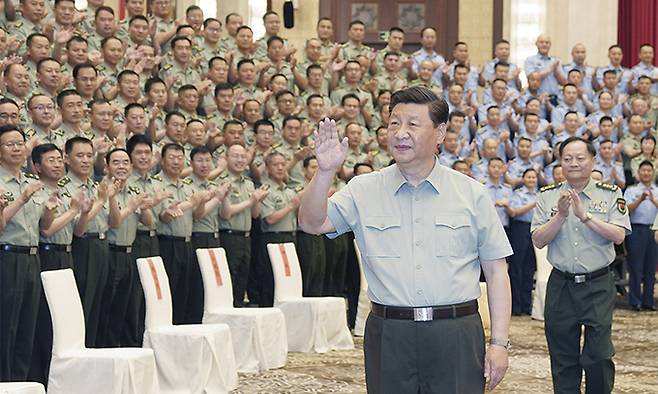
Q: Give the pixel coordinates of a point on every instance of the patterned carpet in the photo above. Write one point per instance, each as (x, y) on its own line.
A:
(635, 336)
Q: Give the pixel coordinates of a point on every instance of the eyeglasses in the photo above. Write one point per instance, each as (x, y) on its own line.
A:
(14, 144)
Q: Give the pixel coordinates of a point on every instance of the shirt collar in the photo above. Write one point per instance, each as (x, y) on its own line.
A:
(434, 177)
(587, 191)
(6, 176)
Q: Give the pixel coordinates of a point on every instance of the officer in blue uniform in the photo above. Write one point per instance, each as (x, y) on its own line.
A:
(642, 201)
(522, 262)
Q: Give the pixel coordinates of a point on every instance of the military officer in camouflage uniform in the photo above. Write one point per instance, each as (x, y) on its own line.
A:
(278, 220)
(205, 229)
(54, 247)
(28, 212)
(580, 220)
(90, 248)
(181, 66)
(242, 204)
(354, 47)
(291, 149)
(42, 112)
(175, 228)
(128, 205)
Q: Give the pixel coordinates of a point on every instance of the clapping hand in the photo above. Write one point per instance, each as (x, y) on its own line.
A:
(578, 206)
(329, 151)
(563, 204)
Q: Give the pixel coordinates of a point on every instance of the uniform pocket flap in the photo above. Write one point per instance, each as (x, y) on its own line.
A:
(452, 221)
(382, 222)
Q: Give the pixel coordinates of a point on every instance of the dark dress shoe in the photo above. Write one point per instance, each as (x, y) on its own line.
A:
(649, 308)
(635, 308)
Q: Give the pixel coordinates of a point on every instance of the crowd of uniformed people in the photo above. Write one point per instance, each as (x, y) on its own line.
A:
(152, 136)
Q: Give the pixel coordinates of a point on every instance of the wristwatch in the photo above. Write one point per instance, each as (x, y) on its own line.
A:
(499, 342)
(588, 217)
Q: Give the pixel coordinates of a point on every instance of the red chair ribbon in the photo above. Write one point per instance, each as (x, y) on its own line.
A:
(284, 256)
(156, 280)
(215, 267)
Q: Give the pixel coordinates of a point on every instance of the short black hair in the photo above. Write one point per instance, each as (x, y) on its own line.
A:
(436, 106)
(109, 154)
(605, 119)
(138, 139)
(138, 18)
(232, 122)
(103, 8)
(356, 22)
(395, 28)
(590, 147)
(307, 161)
(47, 59)
(211, 20)
(9, 128)
(290, 118)
(274, 38)
(349, 96)
(78, 67)
(152, 81)
(199, 150)
(71, 142)
(65, 93)
(358, 165)
(244, 61)
(646, 163)
(228, 16)
(179, 38)
(262, 122)
(40, 150)
(222, 86)
(125, 73)
(32, 36)
(171, 146)
(130, 106)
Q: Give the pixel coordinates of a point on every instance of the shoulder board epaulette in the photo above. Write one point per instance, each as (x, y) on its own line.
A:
(59, 132)
(167, 66)
(550, 187)
(187, 181)
(66, 194)
(223, 175)
(298, 189)
(62, 182)
(133, 189)
(96, 183)
(100, 67)
(607, 186)
(31, 175)
(482, 130)
(375, 152)
(29, 133)
(212, 183)
(18, 25)
(277, 145)
(156, 178)
(210, 116)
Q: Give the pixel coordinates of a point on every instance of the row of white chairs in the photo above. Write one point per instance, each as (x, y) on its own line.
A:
(201, 358)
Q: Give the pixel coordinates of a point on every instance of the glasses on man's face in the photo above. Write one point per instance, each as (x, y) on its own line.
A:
(13, 144)
(6, 116)
(43, 108)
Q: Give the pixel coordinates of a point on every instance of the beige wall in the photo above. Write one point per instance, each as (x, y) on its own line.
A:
(306, 17)
(476, 28)
(593, 24)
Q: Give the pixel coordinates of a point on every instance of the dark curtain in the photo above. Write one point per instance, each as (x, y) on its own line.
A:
(636, 25)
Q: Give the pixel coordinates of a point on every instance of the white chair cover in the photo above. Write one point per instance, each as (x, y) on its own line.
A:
(363, 306)
(313, 323)
(259, 334)
(541, 280)
(76, 369)
(195, 358)
(22, 388)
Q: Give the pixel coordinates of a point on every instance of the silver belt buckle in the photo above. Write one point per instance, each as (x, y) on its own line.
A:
(152, 233)
(101, 236)
(129, 249)
(580, 278)
(33, 250)
(215, 235)
(188, 239)
(69, 248)
(423, 314)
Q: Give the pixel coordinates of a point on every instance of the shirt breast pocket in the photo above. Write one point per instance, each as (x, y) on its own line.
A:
(452, 235)
(382, 235)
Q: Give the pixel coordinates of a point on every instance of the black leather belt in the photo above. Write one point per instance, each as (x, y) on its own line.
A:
(121, 248)
(29, 250)
(147, 233)
(234, 232)
(100, 236)
(427, 313)
(291, 233)
(173, 238)
(200, 234)
(582, 278)
(55, 248)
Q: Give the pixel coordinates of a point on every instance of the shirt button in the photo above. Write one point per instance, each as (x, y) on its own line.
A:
(419, 291)
(576, 229)
(418, 243)
(575, 244)
(417, 220)
(417, 198)
(419, 266)
(575, 258)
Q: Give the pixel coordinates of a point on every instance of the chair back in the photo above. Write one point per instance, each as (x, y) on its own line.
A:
(157, 295)
(217, 286)
(287, 273)
(65, 310)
